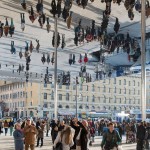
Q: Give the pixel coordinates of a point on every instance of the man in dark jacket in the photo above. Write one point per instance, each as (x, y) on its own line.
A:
(111, 138)
(140, 135)
(54, 130)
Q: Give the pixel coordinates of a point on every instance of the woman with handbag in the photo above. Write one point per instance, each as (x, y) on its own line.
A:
(64, 139)
(82, 138)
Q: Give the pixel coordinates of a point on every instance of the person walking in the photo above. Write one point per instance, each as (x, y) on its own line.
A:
(76, 127)
(29, 134)
(11, 126)
(54, 130)
(1, 127)
(66, 137)
(6, 126)
(140, 136)
(111, 138)
(40, 134)
(18, 137)
(47, 127)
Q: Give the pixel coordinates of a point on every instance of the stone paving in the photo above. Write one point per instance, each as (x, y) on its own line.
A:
(7, 143)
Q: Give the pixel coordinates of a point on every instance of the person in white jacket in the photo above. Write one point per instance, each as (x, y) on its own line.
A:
(66, 137)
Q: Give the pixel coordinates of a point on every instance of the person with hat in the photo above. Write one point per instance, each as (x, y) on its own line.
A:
(29, 134)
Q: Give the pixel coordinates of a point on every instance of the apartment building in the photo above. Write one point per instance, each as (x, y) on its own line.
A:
(37, 99)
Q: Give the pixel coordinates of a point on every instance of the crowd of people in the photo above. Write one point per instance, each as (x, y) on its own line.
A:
(74, 134)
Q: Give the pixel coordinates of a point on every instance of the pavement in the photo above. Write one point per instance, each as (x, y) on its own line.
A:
(7, 143)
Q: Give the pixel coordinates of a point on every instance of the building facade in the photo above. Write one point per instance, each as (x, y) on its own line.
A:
(37, 99)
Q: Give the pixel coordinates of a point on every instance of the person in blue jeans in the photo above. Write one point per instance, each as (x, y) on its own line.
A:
(11, 126)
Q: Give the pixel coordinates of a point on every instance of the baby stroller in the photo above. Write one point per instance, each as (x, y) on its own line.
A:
(131, 137)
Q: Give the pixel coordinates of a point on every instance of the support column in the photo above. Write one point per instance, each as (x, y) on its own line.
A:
(143, 61)
(55, 71)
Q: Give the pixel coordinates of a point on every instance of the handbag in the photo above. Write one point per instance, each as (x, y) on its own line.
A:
(78, 141)
(59, 145)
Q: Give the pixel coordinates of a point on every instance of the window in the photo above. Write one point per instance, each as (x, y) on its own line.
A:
(81, 87)
(67, 106)
(31, 94)
(45, 95)
(80, 107)
(115, 99)
(104, 81)
(87, 98)
(133, 82)
(67, 96)
(93, 89)
(124, 90)
(120, 100)
(119, 82)
(45, 85)
(129, 83)
(129, 91)
(80, 97)
(93, 98)
(115, 90)
(104, 89)
(138, 92)
(52, 95)
(31, 83)
(114, 80)
(60, 86)
(109, 90)
(30, 103)
(52, 85)
(125, 100)
(138, 84)
(67, 86)
(104, 100)
(108, 81)
(23, 94)
(129, 101)
(124, 81)
(74, 87)
(87, 88)
(134, 91)
(119, 91)
(23, 104)
(60, 96)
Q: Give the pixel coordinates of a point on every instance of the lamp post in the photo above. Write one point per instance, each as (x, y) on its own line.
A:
(143, 59)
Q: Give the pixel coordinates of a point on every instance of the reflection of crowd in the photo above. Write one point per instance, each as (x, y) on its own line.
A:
(76, 134)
